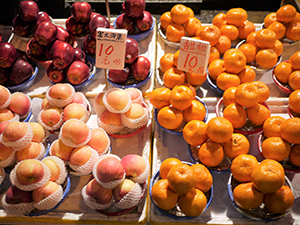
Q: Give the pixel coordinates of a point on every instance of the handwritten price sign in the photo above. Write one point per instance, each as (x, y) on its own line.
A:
(110, 48)
(193, 55)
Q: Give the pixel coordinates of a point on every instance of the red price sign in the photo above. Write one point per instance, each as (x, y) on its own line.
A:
(110, 48)
(193, 55)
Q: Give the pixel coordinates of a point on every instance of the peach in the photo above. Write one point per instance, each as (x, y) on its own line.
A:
(98, 104)
(117, 98)
(134, 165)
(14, 131)
(53, 167)
(3, 125)
(44, 191)
(32, 151)
(38, 132)
(29, 171)
(75, 131)
(110, 118)
(45, 103)
(20, 103)
(80, 155)
(75, 111)
(62, 151)
(135, 94)
(99, 140)
(5, 152)
(4, 95)
(79, 98)
(136, 111)
(123, 189)
(101, 194)
(51, 116)
(6, 115)
(61, 91)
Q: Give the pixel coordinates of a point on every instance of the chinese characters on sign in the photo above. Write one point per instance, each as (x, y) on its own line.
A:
(193, 55)
(110, 48)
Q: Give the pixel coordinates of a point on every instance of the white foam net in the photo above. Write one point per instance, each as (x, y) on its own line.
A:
(144, 176)
(131, 199)
(17, 209)
(110, 129)
(62, 168)
(135, 123)
(92, 202)
(50, 201)
(2, 175)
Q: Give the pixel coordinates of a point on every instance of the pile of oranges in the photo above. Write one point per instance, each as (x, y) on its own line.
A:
(294, 103)
(183, 185)
(260, 183)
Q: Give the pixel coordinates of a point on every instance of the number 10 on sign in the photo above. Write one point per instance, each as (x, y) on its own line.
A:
(193, 55)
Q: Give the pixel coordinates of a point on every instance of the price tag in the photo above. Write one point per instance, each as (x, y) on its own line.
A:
(193, 56)
(110, 48)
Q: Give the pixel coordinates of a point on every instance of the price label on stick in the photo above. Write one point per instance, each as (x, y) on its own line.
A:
(110, 48)
(193, 56)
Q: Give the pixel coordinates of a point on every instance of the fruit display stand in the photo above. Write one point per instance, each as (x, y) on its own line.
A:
(73, 209)
(221, 209)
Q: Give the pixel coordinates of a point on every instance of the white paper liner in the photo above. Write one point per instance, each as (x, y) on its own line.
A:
(131, 199)
(85, 117)
(106, 148)
(110, 184)
(14, 181)
(88, 167)
(10, 160)
(140, 99)
(144, 176)
(109, 128)
(17, 209)
(62, 168)
(85, 101)
(42, 152)
(21, 143)
(55, 126)
(110, 108)
(135, 123)
(2, 175)
(51, 201)
(24, 116)
(92, 202)
(60, 102)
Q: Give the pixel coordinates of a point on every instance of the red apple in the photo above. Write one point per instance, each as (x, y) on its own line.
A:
(131, 50)
(75, 28)
(134, 8)
(89, 44)
(81, 11)
(78, 72)
(8, 54)
(54, 74)
(125, 22)
(140, 68)
(62, 34)
(20, 103)
(101, 194)
(4, 74)
(62, 54)
(144, 22)
(75, 132)
(59, 149)
(28, 10)
(119, 76)
(14, 195)
(79, 55)
(42, 17)
(45, 33)
(36, 50)
(21, 27)
(21, 71)
(98, 21)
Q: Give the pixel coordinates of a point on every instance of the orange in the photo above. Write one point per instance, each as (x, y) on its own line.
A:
(165, 19)
(268, 176)
(166, 165)
(169, 117)
(210, 33)
(258, 113)
(278, 28)
(163, 195)
(193, 203)
(224, 44)
(269, 19)
(192, 25)
(246, 196)
(219, 20)
(251, 38)
(275, 148)
(266, 58)
(277, 48)
(175, 57)
(196, 111)
(211, 153)
(181, 97)
(236, 16)
(191, 12)
(230, 31)
(219, 129)
(181, 178)
(242, 167)
(295, 155)
(236, 114)
(290, 130)
(166, 62)
(294, 101)
(280, 201)
(173, 76)
(265, 38)
(249, 52)
(175, 32)
(297, 18)
(194, 132)
(214, 54)
(282, 71)
(195, 79)
(204, 177)
(160, 97)
(245, 29)
(227, 80)
(229, 96)
(294, 60)
(215, 68)
(247, 74)
(293, 31)
(294, 80)
(271, 126)
(180, 13)
(263, 89)
(238, 144)
(234, 61)
(247, 94)
(286, 13)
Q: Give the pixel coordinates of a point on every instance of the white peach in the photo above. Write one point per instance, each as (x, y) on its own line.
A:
(20, 103)
(38, 132)
(6, 115)
(29, 171)
(51, 116)
(32, 151)
(61, 91)
(81, 155)
(74, 111)
(59, 149)
(14, 131)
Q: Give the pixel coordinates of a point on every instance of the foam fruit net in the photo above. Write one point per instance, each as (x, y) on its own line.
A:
(92, 202)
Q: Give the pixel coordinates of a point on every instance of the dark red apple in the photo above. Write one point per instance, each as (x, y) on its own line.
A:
(15, 195)
(54, 74)
(36, 50)
(140, 68)
(144, 22)
(98, 21)
(79, 55)
(62, 54)
(75, 28)
(42, 17)
(28, 10)
(48, 51)
(132, 50)
(62, 34)
(4, 74)
(20, 71)
(45, 33)
(21, 27)
(78, 72)
(8, 54)
(89, 44)
(119, 76)
(134, 8)
(81, 11)
(125, 22)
